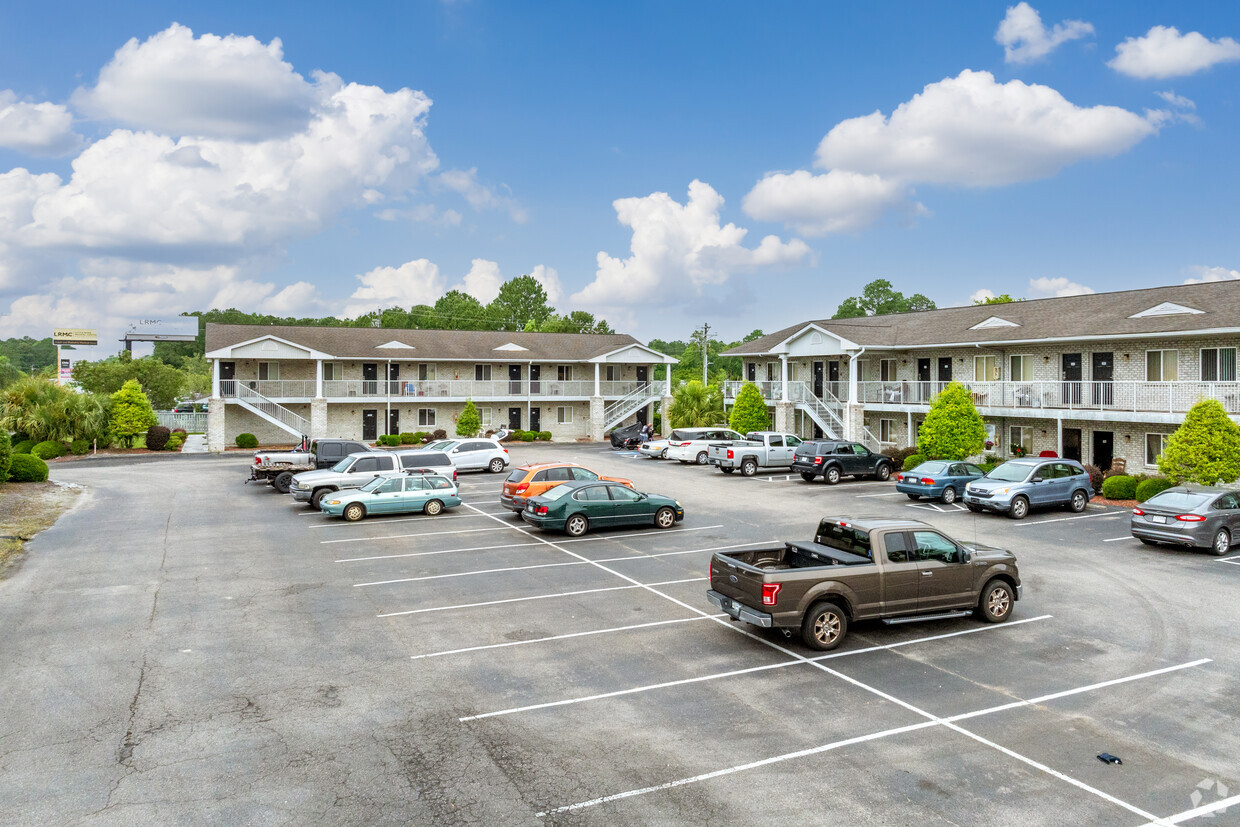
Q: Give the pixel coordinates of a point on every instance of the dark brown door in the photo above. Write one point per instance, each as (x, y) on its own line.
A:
(833, 378)
(923, 379)
(1102, 371)
(1071, 391)
(945, 369)
(514, 381)
(751, 371)
(514, 417)
(535, 387)
(370, 424)
(1104, 449)
(228, 376)
(535, 418)
(1072, 443)
(818, 377)
(393, 421)
(393, 385)
(370, 378)
(643, 376)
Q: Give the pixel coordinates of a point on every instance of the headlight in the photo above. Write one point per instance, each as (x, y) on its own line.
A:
(678, 505)
(1004, 490)
(334, 502)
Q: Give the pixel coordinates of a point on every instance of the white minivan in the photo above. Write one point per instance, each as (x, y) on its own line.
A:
(689, 444)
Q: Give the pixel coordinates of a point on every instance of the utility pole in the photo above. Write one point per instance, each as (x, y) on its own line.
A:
(705, 355)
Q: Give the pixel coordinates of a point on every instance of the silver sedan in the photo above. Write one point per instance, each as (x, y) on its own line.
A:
(1195, 517)
(654, 449)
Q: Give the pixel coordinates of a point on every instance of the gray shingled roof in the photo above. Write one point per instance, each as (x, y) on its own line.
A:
(479, 345)
(1072, 317)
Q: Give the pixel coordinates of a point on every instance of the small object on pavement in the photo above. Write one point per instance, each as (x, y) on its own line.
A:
(1108, 758)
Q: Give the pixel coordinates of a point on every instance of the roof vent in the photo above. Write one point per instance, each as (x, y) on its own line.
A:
(395, 345)
(994, 321)
(269, 345)
(1166, 309)
(510, 346)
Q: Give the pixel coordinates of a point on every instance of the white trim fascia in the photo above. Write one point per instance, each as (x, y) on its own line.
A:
(782, 347)
(226, 351)
(662, 358)
(1165, 334)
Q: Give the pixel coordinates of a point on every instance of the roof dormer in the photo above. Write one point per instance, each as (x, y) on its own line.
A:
(1167, 309)
(510, 346)
(394, 345)
(993, 321)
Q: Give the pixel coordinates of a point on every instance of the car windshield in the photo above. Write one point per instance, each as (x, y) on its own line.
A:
(1178, 500)
(517, 475)
(931, 468)
(343, 465)
(1009, 472)
(373, 484)
(557, 492)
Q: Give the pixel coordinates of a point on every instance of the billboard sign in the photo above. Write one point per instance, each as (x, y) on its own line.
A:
(74, 336)
(179, 329)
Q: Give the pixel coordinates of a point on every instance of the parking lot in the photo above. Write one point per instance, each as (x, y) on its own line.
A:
(249, 656)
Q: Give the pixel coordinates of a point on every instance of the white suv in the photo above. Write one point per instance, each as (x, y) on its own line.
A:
(478, 454)
(689, 444)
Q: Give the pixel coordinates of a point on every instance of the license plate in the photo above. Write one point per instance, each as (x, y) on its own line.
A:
(1158, 519)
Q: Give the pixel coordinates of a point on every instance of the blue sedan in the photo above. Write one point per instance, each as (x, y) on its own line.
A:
(938, 479)
(418, 493)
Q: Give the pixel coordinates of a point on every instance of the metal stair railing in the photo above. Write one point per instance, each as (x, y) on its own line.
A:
(828, 419)
(273, 412)
(626, 405)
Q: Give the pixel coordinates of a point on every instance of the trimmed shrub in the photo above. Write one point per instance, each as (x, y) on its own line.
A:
(1152, 486)
(157, 437)
(49, 449)
(469, 422)
(545, 436)
(184, 433)
(407, 438)
(387, 440)
(1205, 449)
(247, 441)
(439, 433)
(1119, 487)
(1095, 476)
(27, 468)
(175, 442)
(79, 447)
(953, 428)
(900, 454)
(23, 447)
(6, 454)
(912, 461)
(527, 436)
(131, 413)
(749, 411)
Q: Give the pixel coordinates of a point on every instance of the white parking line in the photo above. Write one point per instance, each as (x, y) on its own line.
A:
(519, 526)
(429, 553)
(1117, 539)
(887, 733)
(1231, 560)
(422, 534)
(561, 637)
(750, 670)
(940, 508)
(1065, 519)
(537, 597)
(885, 494)
(343, 524)
(1203, 810)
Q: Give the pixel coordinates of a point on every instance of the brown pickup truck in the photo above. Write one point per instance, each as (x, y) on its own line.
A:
(898, 571)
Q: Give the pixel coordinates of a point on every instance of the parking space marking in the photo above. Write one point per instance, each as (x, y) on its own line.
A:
(562, 637)
(1065, 519)
(437, 551)
(343, 524)
(852, 681)
(538, 597)
(399, 536)
(949, 722)
(1117, 539)
(1203, 810)
(1234, 561)
(639, 556)
(943, 508)
(884, 494)
(733, 673)
(519, 526)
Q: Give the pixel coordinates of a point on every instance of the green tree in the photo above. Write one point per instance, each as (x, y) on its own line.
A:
(520, 301)
(132, 413)
(457, 310)
(1003, 298)
(30, 355)
(9, 373)
(44, 410)
(749, 412)
(695, 405)
(878, 298)
(197, 376)
(160, 382)
(468, 423)
(1205, 449)
(953, 428)
(6, 454)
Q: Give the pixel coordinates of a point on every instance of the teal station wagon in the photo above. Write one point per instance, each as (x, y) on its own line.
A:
(407, 493)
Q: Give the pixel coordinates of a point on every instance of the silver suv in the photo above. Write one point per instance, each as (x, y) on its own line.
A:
(1020, 484)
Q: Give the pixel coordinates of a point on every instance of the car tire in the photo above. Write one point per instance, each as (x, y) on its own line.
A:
(663, 454)
(832, 476)
(1078, 502)
(665, 517)
(949, 495)
(976, 509)
(749, 468)
(432, 508)
(701, 458)
(997, 601)
(282, 481)
(496, 465)
(316, 499)
(726, 470)
(354, 512)
(883, 472)
(824, 627)
(1019, 509)
(1221, 544)
(807, 476)
(913, 497)
(576, 525)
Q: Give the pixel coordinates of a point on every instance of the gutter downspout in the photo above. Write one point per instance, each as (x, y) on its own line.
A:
(387, 381)
(852, 393)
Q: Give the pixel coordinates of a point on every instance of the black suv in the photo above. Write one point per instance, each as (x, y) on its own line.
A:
(832, 459)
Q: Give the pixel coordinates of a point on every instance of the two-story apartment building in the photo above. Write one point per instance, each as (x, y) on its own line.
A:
(280, 383)
(1093, 377)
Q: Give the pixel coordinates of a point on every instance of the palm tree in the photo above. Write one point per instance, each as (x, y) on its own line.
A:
(695, 405)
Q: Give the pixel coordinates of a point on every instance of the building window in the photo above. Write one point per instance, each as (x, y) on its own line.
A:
(564, 415)
(564, 373)
(333, 371)
(886, 430)
(482, 373)
(772, 372)
(1022, 369)
(1218, 364)
(268, 370)
(1161, 365)
(1022, 440)
(887, 370)
(861, 366)
(1154, 445)
(426, 417)
(426, 372)
(484, 415)
(985, 369)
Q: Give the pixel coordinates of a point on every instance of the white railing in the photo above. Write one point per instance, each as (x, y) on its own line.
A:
(772, 392)
(827, 411)
(304, 389)
(1144, 397)
(193, 423)
(621, 408)
(294, 423)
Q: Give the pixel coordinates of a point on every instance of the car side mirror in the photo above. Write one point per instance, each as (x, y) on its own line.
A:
(966, 556)
(1036, 479)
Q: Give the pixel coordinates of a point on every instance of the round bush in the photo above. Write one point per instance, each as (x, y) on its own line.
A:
(912, 461)
(79, 447)
(545, 436)
(407, 438)
(1119, 487)
(175, 442)
(27, 468)
(49, 449)
(157, 437)
(527, 436)
(184, 433)
(247, 441)
(23, 447)
(1152, 486)
(440, 433)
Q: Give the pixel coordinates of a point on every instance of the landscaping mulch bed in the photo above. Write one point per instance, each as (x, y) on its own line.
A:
(1100, 500)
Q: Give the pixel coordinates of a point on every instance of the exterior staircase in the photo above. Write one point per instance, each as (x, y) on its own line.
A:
(622, 408)
(271, 412)
(827, 412)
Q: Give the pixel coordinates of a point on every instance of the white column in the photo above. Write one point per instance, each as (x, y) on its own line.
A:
(783, 374)
(1059, 440)
(852, 378)
(668, 387)
(215, 378)
(597, 392)
(318, 378)
(912, 437)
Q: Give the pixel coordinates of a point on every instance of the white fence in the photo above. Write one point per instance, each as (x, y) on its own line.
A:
(194, 423)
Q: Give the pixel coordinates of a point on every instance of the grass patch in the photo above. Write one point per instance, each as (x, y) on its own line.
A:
(25, 510)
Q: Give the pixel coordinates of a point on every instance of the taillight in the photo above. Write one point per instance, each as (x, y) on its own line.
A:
(770, 593)
(729, 453)
(818, 460)
(1190, 518)
(258, 460)
(927, 481)
(684, 444)
(899, 478)
(542, 509)
(523, 487)
(1138, 512)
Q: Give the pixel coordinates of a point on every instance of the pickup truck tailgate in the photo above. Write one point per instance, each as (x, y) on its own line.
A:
(736, 580)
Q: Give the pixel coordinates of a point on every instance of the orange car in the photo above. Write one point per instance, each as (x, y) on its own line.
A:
(531, 480)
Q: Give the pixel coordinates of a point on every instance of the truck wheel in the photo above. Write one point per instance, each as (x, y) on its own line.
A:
(354, 512)
(1078, 502)
(807, 476)
(665, 518)
(701, 458)
(496, 465)
(1221, 544)
(883, 472)
(914, 497)
(282, 481)
(996, 603)
(824, 627)
(576, 525)
(726, 470)
(316, 499)
(432, 508)
(832, 476)
(749, 468)
(1019, 509)
(949, 495)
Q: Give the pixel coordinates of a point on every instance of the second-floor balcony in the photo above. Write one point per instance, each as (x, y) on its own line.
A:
(1136, 397)
(430, 389)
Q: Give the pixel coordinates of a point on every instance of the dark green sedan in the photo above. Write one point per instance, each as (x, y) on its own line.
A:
(576, 507)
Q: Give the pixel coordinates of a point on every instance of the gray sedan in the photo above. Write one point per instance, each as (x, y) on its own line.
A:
(1196, 517)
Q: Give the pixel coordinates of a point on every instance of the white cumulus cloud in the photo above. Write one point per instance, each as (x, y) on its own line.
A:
(1055, 287)
(41, 129)
(833, 202)
(414, 282)
(1024, 38)
(483, 280)
(679, 249)
(550, 281)
(982, 295)
(478, 195)
(1165, 53)
(1201, 274)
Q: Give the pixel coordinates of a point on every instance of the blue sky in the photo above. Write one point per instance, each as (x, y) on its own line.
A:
(213, 163)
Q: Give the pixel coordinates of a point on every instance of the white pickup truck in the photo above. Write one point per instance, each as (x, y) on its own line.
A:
(759, 449)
